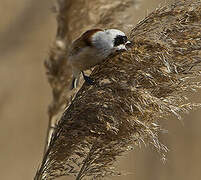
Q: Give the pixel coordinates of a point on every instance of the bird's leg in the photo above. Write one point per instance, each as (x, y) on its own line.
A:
(88, 79)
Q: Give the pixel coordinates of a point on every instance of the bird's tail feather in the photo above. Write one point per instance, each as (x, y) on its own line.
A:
(75, 82)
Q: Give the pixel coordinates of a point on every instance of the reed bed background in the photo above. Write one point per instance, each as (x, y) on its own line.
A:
(148, 94)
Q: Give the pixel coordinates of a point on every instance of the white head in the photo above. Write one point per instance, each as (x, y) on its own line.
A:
(109, 41)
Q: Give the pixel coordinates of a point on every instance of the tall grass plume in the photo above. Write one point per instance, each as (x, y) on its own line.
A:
(133, 92)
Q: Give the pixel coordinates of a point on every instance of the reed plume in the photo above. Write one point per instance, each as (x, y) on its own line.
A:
(133, 92)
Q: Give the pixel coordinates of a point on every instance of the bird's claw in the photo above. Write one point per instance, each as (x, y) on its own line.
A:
(89, 80)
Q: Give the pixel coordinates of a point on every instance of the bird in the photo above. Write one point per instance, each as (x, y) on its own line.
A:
(91, 48)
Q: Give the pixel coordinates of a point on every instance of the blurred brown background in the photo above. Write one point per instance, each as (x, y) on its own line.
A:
(27, 29)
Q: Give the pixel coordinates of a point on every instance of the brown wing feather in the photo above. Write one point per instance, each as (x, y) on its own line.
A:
(82, 41)
(86, 37)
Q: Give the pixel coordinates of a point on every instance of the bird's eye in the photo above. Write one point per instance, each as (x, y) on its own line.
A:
(120, 40)
(125, 39)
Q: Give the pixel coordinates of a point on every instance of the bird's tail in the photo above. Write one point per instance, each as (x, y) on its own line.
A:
(75, 82)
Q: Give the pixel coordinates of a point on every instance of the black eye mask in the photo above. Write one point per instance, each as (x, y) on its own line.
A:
(120, 40)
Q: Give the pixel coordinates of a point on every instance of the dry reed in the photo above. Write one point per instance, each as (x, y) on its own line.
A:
(133, 92)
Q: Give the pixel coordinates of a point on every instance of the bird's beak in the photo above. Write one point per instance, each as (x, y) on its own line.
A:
(124, 47)
(128, 45)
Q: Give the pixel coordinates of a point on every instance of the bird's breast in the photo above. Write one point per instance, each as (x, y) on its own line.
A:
(87, 58)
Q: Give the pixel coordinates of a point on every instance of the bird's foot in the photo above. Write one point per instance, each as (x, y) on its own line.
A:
(88, 79)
